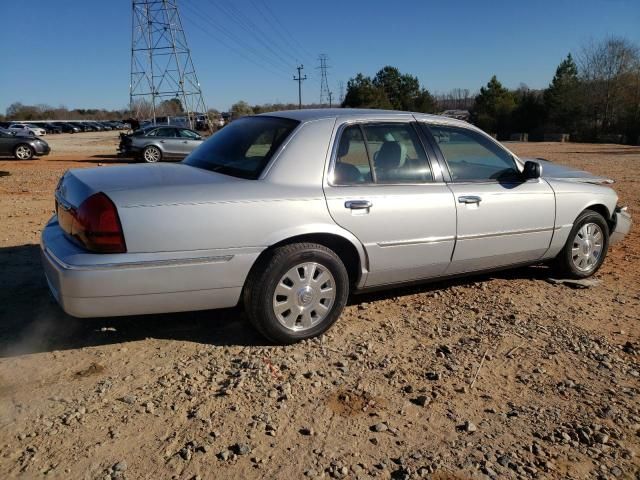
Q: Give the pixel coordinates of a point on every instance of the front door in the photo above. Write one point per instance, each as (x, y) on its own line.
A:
(188, 141)
(502, 218)
(382, 189)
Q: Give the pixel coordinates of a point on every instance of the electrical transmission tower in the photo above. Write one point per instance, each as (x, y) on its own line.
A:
(341, 88)
(161, 65)
(324, 84)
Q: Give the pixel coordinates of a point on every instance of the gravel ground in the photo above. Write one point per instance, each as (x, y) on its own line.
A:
(496, 376)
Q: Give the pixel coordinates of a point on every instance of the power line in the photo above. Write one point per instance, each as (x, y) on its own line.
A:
(299, 79)
(250, 27)
(217, 26)
(289, 43)
(261, 60)
(284, 29)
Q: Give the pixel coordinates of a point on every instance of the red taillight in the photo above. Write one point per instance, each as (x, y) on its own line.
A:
(97, 225)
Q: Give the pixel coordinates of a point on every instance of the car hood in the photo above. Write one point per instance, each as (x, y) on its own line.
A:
(555, 171)
(136, 185)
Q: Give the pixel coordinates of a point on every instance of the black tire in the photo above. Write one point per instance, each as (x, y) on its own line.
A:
(152, 152)
(23, 151)
(265, 276)
(564, 264)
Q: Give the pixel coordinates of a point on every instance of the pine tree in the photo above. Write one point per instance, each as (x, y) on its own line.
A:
(493, 107)
(562, 98)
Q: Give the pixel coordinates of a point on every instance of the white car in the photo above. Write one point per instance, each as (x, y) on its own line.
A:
(26, 129)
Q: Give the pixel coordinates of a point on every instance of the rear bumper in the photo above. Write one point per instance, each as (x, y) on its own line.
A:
(107, 285)
(622, 225)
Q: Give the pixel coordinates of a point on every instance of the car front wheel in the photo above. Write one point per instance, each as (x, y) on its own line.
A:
(152, 154)
(297, 292)
(586, 247)
(23, 152)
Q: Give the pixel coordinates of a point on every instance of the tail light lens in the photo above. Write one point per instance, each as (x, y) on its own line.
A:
(97, 226)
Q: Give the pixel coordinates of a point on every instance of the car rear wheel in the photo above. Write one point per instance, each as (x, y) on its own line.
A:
(297, 292)
(152, 154)
(23, 152)
(586, 247)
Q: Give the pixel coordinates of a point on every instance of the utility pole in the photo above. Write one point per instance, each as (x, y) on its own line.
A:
(324, 84)
(161, 65)
(330, 97)
(299, 79)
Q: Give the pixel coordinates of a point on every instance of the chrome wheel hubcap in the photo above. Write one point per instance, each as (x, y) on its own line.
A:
(304, 296)
(151, 155)
(23, 153)
(587, 247)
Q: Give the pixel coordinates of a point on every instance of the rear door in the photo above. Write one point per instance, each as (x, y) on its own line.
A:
(502, 218)
(6, 143)
(169, 142)
(381, 187)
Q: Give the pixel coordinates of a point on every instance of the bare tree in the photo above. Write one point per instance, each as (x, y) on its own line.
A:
(606, 68)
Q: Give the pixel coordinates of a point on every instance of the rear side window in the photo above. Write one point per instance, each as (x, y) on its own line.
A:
(388, 153)
(243, 148)
(471, 156)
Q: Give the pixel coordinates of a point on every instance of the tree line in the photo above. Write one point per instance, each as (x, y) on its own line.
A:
(595, 97)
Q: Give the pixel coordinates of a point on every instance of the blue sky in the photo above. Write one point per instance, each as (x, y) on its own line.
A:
(77, 52)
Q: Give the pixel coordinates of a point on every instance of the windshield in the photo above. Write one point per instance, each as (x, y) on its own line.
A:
(243, 148)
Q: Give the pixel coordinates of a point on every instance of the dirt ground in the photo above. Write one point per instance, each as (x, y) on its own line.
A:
(497, 376)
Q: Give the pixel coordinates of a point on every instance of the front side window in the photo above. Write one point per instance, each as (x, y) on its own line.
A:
(166, 132)
(184, 133)
(473, 157)
(388, 153)
(244, 148)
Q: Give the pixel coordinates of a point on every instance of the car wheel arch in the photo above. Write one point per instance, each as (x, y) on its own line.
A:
(349, 250)
(602, 210)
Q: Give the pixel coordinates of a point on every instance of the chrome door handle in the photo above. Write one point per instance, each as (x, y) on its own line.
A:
(358, 204)
(161, 141)
(469, 199)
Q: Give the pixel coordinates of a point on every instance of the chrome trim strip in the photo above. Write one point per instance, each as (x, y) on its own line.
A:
(173, 262)
(416, 241)
(502, 234)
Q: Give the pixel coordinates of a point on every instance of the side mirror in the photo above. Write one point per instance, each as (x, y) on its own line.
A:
(532, 170)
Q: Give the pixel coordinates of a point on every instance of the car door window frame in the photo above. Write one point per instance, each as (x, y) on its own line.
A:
(426, 149)
(426, 129)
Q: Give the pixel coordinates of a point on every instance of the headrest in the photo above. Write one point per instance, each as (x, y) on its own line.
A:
(389, 156)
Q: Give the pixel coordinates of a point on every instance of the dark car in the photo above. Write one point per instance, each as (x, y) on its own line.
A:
(154, 144)
(21, 147)
(82, 126)
(69, 127)
(50, 127)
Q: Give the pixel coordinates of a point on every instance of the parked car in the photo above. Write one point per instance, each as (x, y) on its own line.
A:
(50, 127)
(82, 126)
(154, 144)
(22, 147)
(5, 125)
(68, 127)
(290, 212)
(26, 129)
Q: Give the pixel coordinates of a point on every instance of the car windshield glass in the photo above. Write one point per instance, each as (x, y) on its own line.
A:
(243, 148)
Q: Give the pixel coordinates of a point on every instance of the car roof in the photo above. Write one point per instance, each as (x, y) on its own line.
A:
(306, 115)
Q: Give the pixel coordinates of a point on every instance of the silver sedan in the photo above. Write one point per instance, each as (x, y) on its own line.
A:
(289, 213)
(157, 143)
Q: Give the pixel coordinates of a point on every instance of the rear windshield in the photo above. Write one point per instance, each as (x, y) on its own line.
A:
(244, 147)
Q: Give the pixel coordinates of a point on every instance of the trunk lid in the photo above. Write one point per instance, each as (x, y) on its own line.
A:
(159, 183)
